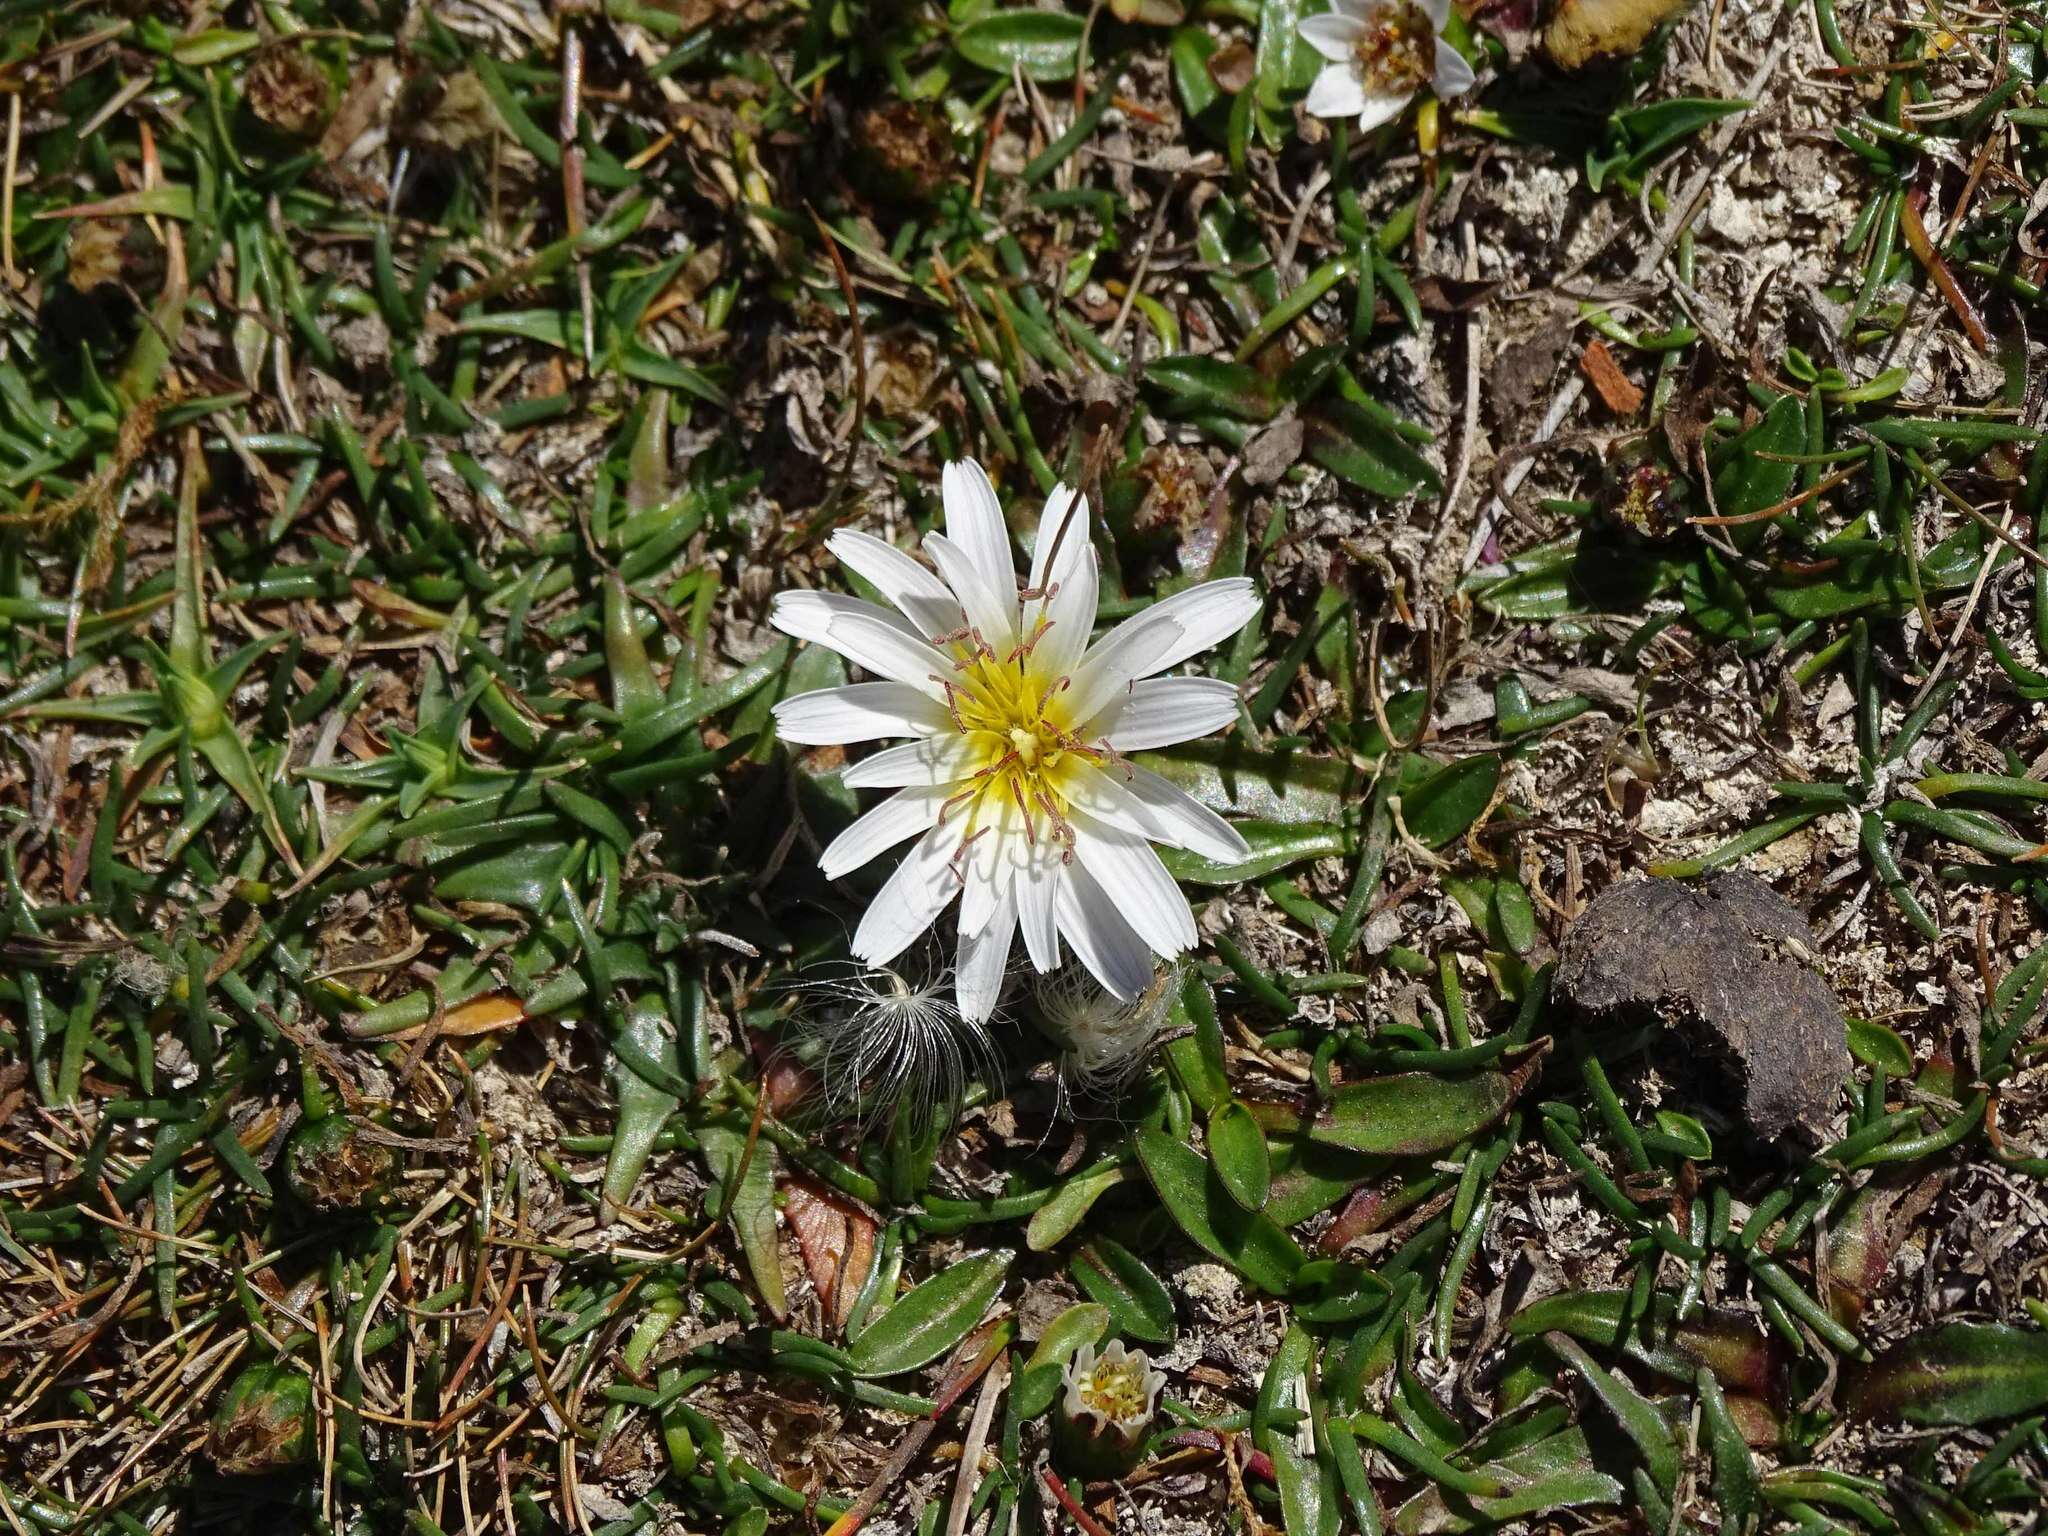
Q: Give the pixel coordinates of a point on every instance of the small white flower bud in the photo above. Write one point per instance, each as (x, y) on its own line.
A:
(1106, 1406)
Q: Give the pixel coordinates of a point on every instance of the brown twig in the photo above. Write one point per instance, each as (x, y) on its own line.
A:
(1915, 231)
(981, 1350)
(1776, 509)
(483, 1336)
(1088, 1523)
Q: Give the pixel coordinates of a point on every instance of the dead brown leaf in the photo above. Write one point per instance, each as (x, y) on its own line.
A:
(1617, 389)
(836, 1236)
(479, 1016)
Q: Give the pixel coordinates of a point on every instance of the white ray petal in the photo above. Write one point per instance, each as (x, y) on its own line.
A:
(991, 859)
(1130, 651)
(1069, 617)
(1160, 711)
(858, 712)
(1188, 823)
(809, 615)
(990, 609)
(909, 899)
(890, 652)
(1036, 887)
(1062, 535)
(925, 600)
(1207, 615)
(1438, 12)
(1378, 110)
(974, 521)
(903, 815)
(1336, 92)
(1145, 893)
(1145, 805)
(1103, 942)
(1454, 77)
(945, 758)
(1100, 792)
(1334, 36)
(984, 957)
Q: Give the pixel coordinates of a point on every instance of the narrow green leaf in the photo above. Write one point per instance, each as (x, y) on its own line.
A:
(1728, 1343)
(523, 877)
(1557, 1472)
(1877, 1046)
(1284, 1372)
(1054, 1221)
(1121, 1281)
(1234, 778)
(590, 813)
(635, 692)
(1737, 1487)
(229, 757)
(1747, 482)
(1237, 1146)
(1353, 446)
(751, 1208)
(1083, 1323)
(644, 1106)
(1274, 847)
(1044, 44)
(1414, 1114)
(1040, 1379)
(933, 1318)
(1444, 806)
(1196, 1055)
(1199, 385)
(1279, 46)
(1689, 1137)
(669, 721)
(1957, 1373)
(1195, 1198)
(1638, 1419)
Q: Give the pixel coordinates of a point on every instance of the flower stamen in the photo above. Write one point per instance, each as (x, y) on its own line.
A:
(1025, 647)
(1062, 832)
(958, 863)
(1395, 50)
(1030, 827)
(952, 700)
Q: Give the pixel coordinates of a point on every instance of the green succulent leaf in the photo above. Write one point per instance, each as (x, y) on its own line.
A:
(933, 1318)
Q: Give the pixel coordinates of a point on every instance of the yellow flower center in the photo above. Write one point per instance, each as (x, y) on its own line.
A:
(1018, 728)
(1115, 1389)
(1397, 50)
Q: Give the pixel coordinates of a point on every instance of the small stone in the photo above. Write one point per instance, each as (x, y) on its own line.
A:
(1727, 968)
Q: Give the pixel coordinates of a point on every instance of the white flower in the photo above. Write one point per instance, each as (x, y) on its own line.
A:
(1381, 52)
(1118, 1389)
(1108, 1404)
(1014, 784)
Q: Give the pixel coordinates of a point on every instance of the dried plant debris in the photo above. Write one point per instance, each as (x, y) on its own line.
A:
(1725, 970)
(495, 1038)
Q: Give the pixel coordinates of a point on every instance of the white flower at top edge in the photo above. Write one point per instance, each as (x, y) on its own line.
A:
(1014, 783)
(1381, 53)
